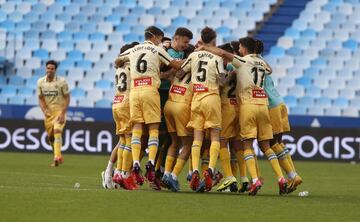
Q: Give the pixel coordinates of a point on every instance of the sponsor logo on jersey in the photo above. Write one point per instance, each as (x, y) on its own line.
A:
(178, 89)
(146, 81)
(200, 88)
(118, 99)
(259, 93)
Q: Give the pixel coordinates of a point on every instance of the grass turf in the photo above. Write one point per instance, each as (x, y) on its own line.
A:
(30, 190)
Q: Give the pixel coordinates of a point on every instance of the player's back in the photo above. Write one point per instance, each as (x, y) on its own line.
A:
(145, 60)
(205, 70)
(122, 82)
(250, 79)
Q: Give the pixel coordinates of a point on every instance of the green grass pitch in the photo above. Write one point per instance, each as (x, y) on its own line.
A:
(30, 190)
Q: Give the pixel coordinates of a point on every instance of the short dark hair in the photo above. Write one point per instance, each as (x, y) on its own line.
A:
(182, 31)
(259, 46)
(227, 47)
(249, 43)
(165, 39)
(235, 46)
(153, 31)
(208, 34)
(128, 46)
(189, 50)
(52, 62)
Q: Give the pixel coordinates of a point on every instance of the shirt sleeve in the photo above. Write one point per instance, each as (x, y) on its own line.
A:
(164, 57)
(186, 66)
(238, 61)
(65, 88)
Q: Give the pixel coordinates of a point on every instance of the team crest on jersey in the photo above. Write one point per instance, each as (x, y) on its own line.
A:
(259, 93)
(178, 90)
(118, 99)
(146, 81)
(200, 88)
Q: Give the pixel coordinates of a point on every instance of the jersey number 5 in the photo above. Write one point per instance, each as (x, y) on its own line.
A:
(141, 64)
(201, 76)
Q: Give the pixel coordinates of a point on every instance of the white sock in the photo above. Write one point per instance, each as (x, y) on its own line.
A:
(292, 175)
(109, 167)
(136, 162)
(167, 173)
(254, 180)
(173, 176)
(152, 162)
(125, 174)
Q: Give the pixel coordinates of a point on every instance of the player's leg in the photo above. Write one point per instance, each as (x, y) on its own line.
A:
(180, 162)
(58, 158)
(294, 179)
(271, 156)
(153, 143)
(117, 155)
(195, 158)
(239, 153)
(214, 154)
(128, 180)
(205, 156)
(136, 151)
(230, 180)
(170, 157)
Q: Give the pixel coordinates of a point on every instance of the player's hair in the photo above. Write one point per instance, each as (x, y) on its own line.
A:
(134, 44)
(235, 46)
(153, 31)
(189, 50)
(227, 47)
(259, 46)
(52, 62)
(207, 35)
(165, 39)
(182, 31)
(128, 46)
(249, 43)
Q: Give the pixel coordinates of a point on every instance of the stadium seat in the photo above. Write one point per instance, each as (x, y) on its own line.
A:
(103, 103)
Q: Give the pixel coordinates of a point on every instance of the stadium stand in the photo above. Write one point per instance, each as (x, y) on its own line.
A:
(85, 36)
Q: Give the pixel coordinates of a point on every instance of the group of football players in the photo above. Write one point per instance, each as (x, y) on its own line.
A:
(220, 100)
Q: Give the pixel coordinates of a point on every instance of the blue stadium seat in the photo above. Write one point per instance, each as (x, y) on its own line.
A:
(75, 55)
(341, 102)
(103, 84)
(80, 36)
(298, 110)
(3, 100)
(26, 92)
(291, 101)
(306, 101)
(8, 90)
(43, 54)
(103, 103)
(15, 100)
(78, 93)
(16, 81)
(32, 101)
(84, 64)
(97, 36)
(304, 81)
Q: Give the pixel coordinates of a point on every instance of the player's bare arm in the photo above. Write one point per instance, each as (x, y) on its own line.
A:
(43, 106)
(61, 117)
(222, 53)
(176, 64)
